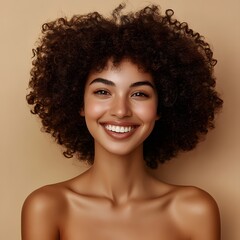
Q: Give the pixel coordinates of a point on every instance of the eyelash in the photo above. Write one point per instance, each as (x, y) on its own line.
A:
(103, 92)
(140, 94)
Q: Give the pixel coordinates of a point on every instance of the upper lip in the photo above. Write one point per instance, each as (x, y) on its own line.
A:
(120, 123)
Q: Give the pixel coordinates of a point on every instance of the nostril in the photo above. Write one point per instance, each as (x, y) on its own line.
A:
(121, 109)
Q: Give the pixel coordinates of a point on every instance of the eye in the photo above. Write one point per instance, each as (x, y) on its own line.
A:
(101, 92)
(140, 95)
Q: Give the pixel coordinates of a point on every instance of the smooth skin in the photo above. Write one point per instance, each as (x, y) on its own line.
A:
(117, 198)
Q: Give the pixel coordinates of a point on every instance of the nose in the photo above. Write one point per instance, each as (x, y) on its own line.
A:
(121, 107)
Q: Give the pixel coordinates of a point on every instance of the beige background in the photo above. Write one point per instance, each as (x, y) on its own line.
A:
(30, 159)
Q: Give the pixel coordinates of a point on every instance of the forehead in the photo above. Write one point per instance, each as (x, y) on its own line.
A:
(126, 70)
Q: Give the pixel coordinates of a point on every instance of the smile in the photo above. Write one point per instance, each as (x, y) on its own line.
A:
(119, 129)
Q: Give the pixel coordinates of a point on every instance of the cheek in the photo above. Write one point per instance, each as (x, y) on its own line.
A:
(93, 109)
(148, 113)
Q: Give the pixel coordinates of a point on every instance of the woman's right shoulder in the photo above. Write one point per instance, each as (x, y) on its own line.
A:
(46, 196)
(42, 212)
(47, 200)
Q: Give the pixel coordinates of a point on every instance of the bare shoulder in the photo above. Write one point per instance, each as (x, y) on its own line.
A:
(195, 199)
(42, 212)
(49, 197)
(196, 212)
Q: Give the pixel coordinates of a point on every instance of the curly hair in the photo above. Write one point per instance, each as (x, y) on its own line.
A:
(179, 59)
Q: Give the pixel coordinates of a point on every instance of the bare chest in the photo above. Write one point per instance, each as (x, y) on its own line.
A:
(131, 222)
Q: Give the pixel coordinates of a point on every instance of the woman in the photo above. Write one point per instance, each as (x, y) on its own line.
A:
(123, 93)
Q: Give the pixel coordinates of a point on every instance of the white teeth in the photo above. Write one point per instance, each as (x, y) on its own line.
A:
(118, 129)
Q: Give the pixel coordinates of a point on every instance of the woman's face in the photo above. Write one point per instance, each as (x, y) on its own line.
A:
(120, 107)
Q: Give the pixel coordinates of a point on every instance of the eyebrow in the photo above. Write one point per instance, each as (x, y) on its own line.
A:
(102, 80)
(110, 83)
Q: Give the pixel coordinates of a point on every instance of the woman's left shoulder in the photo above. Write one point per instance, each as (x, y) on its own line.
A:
(196, 211)
(195, 199)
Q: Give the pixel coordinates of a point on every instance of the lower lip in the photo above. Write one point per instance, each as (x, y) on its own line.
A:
(119, 136)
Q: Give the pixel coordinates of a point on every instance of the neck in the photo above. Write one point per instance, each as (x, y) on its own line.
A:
(119, 177)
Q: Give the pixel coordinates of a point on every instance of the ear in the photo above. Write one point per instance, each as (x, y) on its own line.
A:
(81, 112)
(157, 117)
